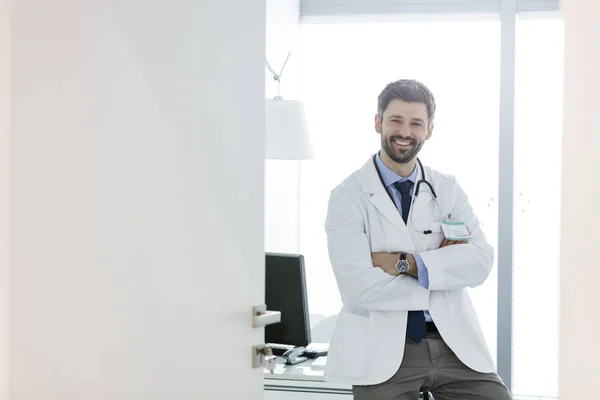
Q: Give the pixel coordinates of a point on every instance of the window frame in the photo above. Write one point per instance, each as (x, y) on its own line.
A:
(507, 11)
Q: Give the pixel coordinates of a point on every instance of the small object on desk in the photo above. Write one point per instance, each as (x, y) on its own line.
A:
(278, 349)
(294, 356)
(315, 350)
(314, 353)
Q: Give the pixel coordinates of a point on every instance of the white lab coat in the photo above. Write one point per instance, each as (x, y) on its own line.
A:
(367, 345)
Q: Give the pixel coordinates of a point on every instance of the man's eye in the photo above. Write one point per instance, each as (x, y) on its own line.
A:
(417, 124)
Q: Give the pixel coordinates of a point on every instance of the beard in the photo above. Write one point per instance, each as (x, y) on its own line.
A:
(397, 155)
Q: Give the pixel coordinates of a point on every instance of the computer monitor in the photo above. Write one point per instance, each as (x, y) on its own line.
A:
(285, 291)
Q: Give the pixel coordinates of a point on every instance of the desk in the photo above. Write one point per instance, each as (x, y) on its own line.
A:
(302, 381)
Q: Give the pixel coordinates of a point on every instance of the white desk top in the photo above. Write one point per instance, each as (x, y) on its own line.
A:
(302, 375)
(303, 371)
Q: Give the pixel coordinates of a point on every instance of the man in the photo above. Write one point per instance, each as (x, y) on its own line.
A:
(405, 246)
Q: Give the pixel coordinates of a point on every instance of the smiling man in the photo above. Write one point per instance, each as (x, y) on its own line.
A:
(405, 245)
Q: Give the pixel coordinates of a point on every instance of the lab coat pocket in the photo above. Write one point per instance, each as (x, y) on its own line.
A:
(430, 240)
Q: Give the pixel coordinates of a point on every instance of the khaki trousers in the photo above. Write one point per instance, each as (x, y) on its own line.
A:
(431, 365)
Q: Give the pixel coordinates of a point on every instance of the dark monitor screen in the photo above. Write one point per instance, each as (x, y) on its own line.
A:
(285, 291)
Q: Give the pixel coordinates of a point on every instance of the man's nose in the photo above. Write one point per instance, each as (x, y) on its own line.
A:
(403, 129)
(403, 132)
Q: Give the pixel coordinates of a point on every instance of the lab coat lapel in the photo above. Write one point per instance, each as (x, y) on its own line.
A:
(380, 198)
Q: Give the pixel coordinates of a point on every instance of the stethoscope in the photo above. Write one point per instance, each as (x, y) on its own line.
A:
(423, 180)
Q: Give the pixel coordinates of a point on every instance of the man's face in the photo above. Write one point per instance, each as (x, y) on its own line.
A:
(404, 128)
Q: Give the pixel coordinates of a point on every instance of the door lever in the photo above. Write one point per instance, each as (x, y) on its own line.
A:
(262, 317)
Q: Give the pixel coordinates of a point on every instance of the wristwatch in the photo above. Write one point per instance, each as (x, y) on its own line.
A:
(402, 264)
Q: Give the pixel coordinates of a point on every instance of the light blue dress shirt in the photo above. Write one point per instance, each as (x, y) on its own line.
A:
(389, 177)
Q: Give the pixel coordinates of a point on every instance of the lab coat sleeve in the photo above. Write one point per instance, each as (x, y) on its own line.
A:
(361, 285)
(462, 265)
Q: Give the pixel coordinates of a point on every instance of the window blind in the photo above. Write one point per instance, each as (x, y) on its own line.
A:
(310, 8)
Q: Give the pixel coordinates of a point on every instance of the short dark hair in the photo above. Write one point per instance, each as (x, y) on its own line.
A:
(408, 90)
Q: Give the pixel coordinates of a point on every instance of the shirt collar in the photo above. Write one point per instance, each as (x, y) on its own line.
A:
(390, 177)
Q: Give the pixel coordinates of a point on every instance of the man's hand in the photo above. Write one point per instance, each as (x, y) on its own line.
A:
(447, 242)
(386, 261)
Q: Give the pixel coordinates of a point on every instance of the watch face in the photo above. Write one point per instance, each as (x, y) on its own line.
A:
(402, 266)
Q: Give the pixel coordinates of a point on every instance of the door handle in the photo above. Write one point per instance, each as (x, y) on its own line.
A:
(263, 357)
(262, 317)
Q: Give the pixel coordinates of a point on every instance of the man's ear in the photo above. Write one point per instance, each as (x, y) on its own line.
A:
(430, 131)
(377, 123)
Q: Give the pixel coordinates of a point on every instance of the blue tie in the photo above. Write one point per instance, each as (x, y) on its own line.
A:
(415, 325)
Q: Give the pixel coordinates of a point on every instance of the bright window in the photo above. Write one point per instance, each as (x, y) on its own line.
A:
(538, 135)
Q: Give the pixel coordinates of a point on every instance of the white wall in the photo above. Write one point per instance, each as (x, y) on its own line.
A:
(137, 162)
(4, 196)
(580, 252)
(282, 176)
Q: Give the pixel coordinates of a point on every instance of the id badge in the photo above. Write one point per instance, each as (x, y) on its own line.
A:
(455, 230)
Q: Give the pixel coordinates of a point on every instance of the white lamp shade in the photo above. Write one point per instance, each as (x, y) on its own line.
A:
(286, 136)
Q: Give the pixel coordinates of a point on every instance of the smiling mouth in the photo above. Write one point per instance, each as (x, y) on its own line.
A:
(402, 144)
